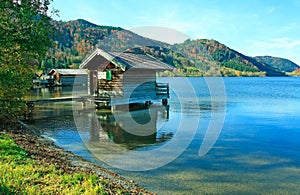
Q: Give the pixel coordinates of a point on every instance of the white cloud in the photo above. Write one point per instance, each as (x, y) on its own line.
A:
(163, 34)
(283, 47)
(289, 28)
(276, 43)
(195, 24)
(272, 9)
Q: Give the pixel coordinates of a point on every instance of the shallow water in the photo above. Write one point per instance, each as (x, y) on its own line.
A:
(257, 150)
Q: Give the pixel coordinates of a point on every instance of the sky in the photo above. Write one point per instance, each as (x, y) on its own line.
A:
(252, 27)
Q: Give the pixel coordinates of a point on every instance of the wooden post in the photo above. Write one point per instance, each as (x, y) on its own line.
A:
(148, 103)
(94, 127)
(168, 111)
(164, 102)
(112, 108)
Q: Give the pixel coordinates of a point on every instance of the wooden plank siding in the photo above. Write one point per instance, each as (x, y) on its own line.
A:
(131, 84)
(139, 83)
(67, 80)
(113, 87)
(67, 77)
(132, 78)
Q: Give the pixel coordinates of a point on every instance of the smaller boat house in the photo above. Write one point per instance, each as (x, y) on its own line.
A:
(66, 77)
(125, 78)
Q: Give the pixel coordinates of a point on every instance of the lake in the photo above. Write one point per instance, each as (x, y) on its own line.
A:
(219, 135)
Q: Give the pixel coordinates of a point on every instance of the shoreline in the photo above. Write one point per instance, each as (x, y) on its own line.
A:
(47, 152)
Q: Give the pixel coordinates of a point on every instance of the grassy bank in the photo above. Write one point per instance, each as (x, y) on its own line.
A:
(23, 175)
(31, 164)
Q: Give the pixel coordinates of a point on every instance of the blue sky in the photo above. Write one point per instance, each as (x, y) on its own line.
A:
(252, 27)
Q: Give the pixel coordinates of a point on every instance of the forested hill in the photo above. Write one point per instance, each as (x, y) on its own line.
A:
(280, 64)
(75, 39)
(226, 57)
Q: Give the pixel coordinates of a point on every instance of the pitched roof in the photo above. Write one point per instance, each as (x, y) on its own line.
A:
(68, 71)
(123, 60)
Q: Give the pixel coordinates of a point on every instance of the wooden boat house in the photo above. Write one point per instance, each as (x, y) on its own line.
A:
(66, 77)
(125, 78)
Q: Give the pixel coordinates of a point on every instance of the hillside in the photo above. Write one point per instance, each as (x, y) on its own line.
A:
(279, 64)
(75, 39)
(226, 57)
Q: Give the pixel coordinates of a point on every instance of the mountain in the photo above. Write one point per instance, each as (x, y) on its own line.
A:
(279, 64)
(76, 39)
(208, 57)
(225, 57)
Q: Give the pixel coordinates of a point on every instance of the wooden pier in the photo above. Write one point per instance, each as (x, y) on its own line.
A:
(108, 101)
(30, 103)
(60, 99)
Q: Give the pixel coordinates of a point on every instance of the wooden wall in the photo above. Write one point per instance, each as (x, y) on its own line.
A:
(139, 84)
(92, 82)
(70, 80)
(113, 87)
(133, 83)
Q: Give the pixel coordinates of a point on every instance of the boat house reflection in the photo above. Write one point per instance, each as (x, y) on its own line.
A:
(131, 130)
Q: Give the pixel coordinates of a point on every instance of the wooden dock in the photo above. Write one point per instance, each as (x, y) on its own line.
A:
(161, 92)
(30, 103)
(60, 99)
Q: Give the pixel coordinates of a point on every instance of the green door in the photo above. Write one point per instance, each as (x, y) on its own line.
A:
(108, 75)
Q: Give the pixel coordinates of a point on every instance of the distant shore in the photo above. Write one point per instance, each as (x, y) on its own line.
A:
(46, 152)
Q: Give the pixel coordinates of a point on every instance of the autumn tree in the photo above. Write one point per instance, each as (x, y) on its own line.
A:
(26, 34)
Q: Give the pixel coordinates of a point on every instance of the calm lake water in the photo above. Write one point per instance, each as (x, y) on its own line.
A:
(257, 150)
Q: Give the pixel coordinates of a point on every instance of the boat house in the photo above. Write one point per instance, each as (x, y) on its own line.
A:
(66, 77)
(125, 78)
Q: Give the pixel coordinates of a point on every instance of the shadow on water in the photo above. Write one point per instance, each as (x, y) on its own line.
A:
(43, 110)
(133, 130)
(52, 92)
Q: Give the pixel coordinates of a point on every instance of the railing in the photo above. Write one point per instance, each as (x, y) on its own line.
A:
(162, 89)
(145, 92)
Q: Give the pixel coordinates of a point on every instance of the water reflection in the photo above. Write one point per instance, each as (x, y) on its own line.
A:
(111, 136)
(53, 92)
(257, 151)
(133, 130)
(119, 134)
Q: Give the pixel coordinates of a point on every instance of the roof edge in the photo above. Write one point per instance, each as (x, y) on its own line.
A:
(88, 58)
(113, 59)
(104, 54)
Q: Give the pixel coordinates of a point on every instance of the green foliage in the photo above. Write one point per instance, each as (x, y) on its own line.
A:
(238, 65)
(26, 35)
(75, 39)
(279, 64)
(15, 80)
(229, 72)
(22, 175)
(222, 55)
(26, 25)
(9, 151)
